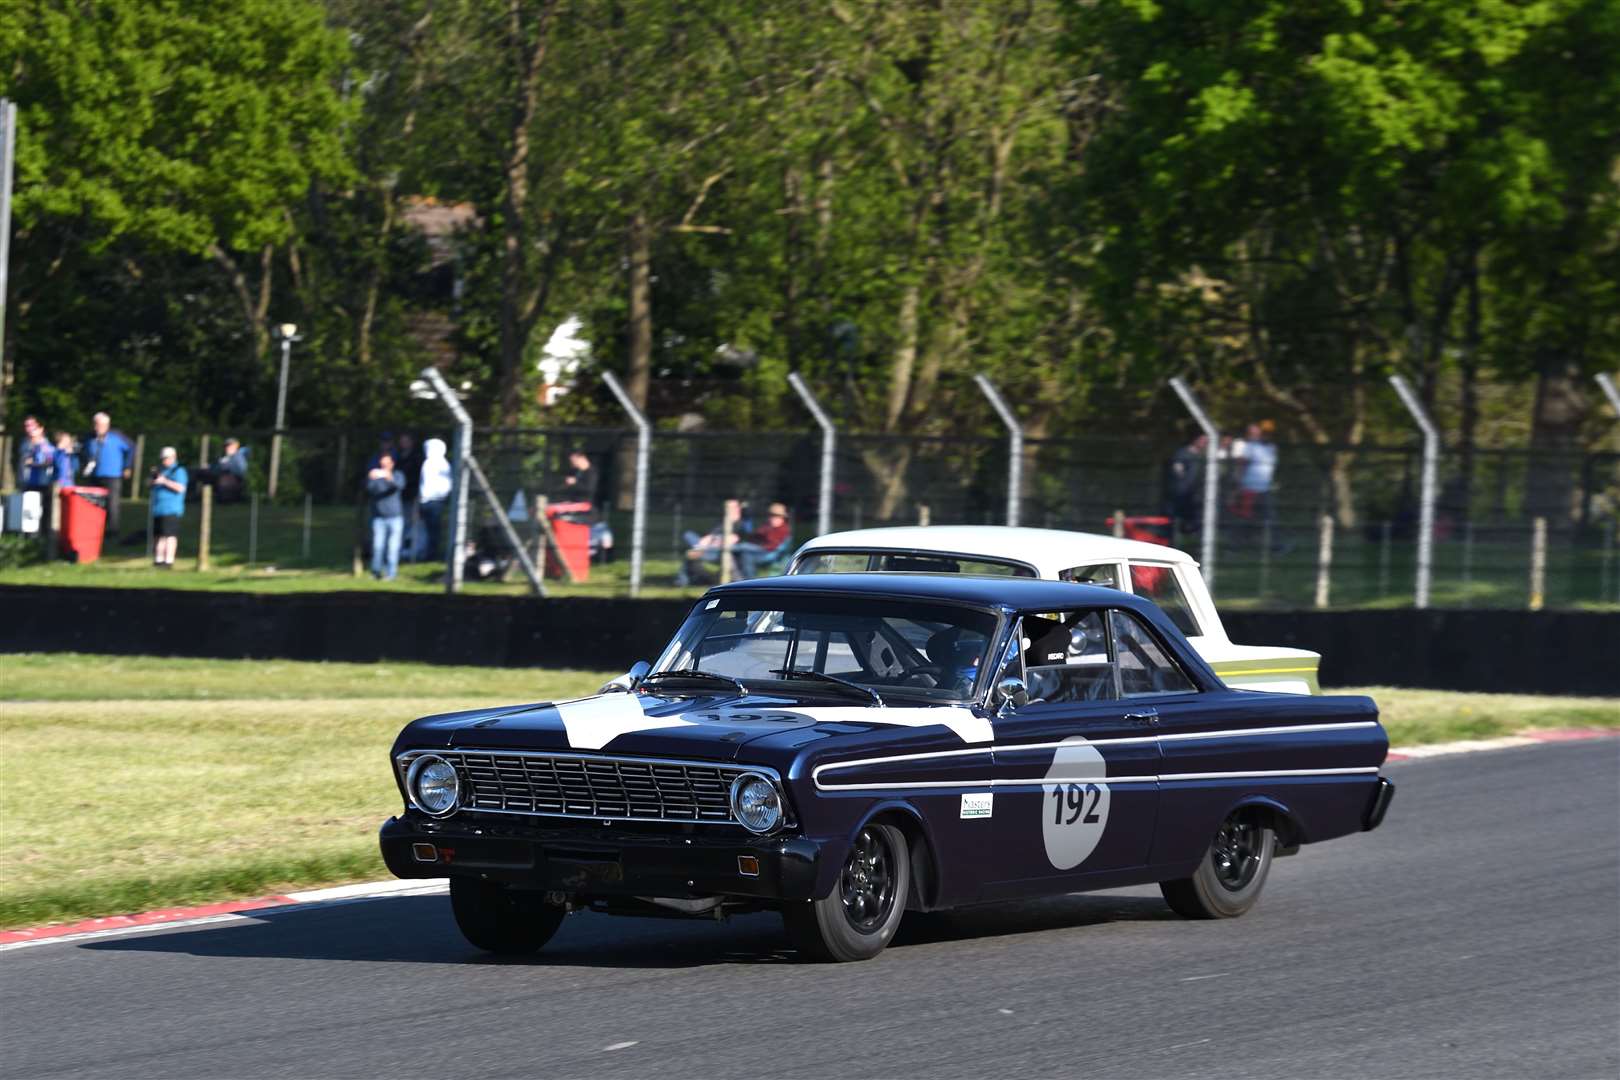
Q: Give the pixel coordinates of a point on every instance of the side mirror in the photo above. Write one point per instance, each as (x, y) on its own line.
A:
(628, 681)
(1010, 694)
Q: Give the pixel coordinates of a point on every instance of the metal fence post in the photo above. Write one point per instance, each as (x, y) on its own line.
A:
(205, 513)
(1431, 461)
(8, 147)
(455, 557)
(309, 511)
(1324, 559)
(1606, 383)
(638, 517)
(829, 447)
(1538, 565)
(1212, 475)
(1015, 446)
(253, 529)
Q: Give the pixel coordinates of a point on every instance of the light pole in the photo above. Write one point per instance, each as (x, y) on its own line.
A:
(287, 333)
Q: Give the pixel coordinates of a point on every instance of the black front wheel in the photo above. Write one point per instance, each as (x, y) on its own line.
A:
(498, 919)
(1229, 879)
(861, 915)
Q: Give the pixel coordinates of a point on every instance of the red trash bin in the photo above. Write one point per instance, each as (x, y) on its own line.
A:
(84, 523)
(574, 538)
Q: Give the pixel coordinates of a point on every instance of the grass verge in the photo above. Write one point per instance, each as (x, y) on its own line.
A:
(128, 783)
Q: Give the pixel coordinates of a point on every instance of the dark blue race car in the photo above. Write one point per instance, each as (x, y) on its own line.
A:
(844, 749)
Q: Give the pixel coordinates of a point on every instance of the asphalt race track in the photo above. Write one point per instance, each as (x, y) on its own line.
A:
(1476, 934)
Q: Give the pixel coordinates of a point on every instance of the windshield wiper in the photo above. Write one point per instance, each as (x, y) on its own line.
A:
(822, 676)
(696, 675)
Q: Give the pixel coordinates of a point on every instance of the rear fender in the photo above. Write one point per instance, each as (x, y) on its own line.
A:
(1276, 816)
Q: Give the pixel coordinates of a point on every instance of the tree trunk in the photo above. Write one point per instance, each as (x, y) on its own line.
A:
(253, 298)
(518, 293)
(639, 375)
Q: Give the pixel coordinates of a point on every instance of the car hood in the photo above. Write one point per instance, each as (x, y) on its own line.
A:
(709, 727)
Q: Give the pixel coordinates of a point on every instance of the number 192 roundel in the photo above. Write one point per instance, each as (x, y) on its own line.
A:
(843, 749)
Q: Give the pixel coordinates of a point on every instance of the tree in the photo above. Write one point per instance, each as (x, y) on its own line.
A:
(172, 128)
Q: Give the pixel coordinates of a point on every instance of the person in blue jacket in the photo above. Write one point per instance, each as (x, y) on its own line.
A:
(107, 463)
(35, 458)
(65, 459)
(168, 506)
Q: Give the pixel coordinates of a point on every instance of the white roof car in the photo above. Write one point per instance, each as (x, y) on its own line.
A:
(1168, 577)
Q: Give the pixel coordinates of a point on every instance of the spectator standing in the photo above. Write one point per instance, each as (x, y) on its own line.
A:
(384, 487)
(35, 460)
(230, 471)
(1186, 483)
(64, 459)
(107, 463)
(578, 494)
(433, 489)
(1257, 469)
(169, 482)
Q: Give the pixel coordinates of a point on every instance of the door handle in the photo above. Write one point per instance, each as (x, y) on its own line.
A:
(1145, 716)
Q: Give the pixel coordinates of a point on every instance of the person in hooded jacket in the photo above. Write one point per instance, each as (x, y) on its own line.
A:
(433, 489)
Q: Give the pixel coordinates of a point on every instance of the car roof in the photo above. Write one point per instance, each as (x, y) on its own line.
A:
(1049, 550)
(1006, 592)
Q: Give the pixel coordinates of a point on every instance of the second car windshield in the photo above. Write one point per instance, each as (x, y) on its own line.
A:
(902, 649)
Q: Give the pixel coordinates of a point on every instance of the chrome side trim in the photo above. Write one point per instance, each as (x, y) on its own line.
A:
(1038, 781)
(1230, 733)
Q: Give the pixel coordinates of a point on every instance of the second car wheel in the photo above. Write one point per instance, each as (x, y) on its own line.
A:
(1229, 878)
(502, 920)
(866, 905)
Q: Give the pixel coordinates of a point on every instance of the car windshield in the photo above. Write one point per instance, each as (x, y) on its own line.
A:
(904, 649)
(923, 562)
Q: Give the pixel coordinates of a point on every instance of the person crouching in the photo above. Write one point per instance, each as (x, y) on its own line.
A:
(169, 482)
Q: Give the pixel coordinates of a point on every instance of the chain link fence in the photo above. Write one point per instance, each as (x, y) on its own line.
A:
(1363, 501)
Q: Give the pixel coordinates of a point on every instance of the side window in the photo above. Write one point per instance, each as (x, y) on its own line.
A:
(1157, 582)
(1105, 574)
(1144, 666)
(1066, 657)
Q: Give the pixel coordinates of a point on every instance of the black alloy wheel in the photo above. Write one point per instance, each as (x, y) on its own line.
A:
(1231, 874)
(866, 884)
(862, 910)
(1236, 853)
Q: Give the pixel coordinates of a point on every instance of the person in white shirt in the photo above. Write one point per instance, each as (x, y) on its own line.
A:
(1256, 456)
(433, 491)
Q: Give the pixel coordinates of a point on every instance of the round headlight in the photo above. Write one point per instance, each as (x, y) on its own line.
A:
(756, 803)
(433, 784)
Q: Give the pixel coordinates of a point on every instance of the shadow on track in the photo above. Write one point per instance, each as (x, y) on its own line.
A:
(420, 930)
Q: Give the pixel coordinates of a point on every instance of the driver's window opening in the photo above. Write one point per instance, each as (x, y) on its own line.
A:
(1068, 657)
(931, 652)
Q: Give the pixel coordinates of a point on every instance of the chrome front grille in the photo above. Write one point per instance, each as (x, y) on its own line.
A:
(592, 786)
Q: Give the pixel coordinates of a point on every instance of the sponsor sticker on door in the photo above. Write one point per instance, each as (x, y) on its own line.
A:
(979, 805)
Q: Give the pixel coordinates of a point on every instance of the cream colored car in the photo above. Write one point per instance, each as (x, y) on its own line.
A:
(1168, 577)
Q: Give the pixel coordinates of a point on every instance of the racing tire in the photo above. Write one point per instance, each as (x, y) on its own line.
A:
(502, 920)
(859, 918)
(1229, 876)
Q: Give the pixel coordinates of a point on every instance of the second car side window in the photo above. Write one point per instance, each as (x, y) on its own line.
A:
(1144, 666)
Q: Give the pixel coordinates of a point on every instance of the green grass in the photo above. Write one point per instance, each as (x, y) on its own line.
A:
(1416, 717)
(128, 783)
